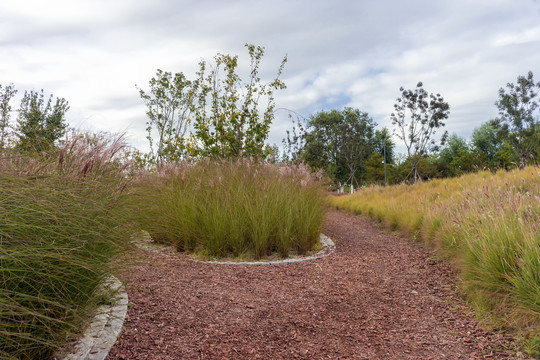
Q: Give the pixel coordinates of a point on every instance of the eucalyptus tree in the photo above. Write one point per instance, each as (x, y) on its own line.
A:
(417, 117)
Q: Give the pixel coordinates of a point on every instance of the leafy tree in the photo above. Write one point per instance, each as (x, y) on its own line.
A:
(466, 161)
(375, 168)
(169, 102)
(417, 116)
(340, 142)
(40, 122)
(488, 139)
(227, 122)
(6, 94)
(518, 106)
(454, 148)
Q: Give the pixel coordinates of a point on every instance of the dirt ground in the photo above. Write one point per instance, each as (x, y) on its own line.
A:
(376, 297)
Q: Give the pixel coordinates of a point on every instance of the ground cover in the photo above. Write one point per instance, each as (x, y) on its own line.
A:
(486, 224)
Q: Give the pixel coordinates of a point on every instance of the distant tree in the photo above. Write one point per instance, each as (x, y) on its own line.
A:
(383, 144)
(454, 148)
(227, 122)
(295, 141)
(6, 94)
(340, 142)
(375, 169)
(488, 139)
(518, 106)
(466, 161)
(417, 116)
(169, 103)
(40, 122)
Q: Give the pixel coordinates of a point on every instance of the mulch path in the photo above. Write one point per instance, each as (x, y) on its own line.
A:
(376, 297)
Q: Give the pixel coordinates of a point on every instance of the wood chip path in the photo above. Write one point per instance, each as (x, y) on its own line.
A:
(376, 297)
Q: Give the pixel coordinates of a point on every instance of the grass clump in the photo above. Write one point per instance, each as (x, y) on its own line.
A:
(59, 234)
(487, 224)
(232, 208)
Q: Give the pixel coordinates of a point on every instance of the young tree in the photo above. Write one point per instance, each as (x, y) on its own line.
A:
(518, 106)
(6, 94)
(40, 122)
(417, 117)
(169, 103)
(227, 122)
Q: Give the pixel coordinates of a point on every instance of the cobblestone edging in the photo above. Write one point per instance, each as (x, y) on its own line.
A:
(102, 333)
(328, 245)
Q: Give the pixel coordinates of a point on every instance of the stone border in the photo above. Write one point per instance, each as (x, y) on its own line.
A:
(328, 245)
(101, 334)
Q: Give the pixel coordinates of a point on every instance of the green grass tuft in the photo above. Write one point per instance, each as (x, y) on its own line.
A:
(59, 233)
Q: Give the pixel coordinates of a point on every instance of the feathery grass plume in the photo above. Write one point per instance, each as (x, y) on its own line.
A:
(232, 208)
(486, 224)
(60, 230)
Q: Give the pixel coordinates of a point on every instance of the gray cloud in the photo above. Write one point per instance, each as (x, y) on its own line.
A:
(341, 53)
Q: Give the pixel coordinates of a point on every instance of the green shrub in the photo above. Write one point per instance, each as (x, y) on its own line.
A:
(232, 208)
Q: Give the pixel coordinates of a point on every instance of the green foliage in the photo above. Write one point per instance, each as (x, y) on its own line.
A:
(456, 158)
(375, 169)
(417, 117)
(518, 106)
(339, 142)
(169, 103)
(384, 145)
(6, 94)
(227, 122)
(40, 122)
(488, 139)
(60, 230)
(232, 208)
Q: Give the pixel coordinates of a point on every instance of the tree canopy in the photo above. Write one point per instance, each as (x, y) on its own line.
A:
(340, 142)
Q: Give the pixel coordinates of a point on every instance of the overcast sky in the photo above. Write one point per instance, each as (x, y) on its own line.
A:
(340, 52)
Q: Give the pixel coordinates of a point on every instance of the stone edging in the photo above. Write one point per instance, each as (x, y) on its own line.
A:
(328, 245)
(101, 334)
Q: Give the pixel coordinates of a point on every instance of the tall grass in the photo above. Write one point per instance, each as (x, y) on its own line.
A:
(240, 209)
(488, 224)
(59, 233)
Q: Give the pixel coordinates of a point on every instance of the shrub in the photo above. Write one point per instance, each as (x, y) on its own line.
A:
(232, 208)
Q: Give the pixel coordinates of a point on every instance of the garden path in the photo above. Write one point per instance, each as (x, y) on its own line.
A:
(376, 297)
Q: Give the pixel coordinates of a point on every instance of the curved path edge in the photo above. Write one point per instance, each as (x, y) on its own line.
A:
(328, 247)
(101, 334)
(327, 244)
